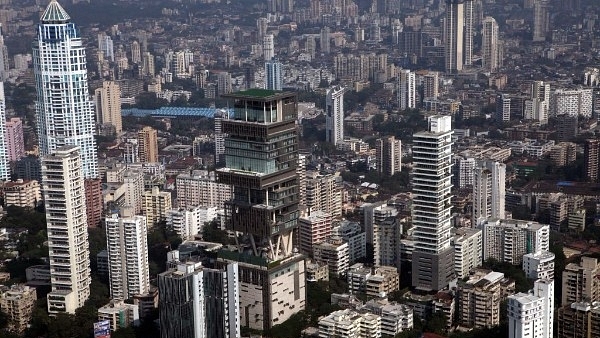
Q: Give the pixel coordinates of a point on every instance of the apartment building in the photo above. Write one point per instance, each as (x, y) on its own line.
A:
(333, 251)
(313, 229)
(350, 324)
(18, 303)
(509, 240)
(155, 205)
(201, 189)
(581, 282)
(468, 246)
(22, 193)
(539, 265)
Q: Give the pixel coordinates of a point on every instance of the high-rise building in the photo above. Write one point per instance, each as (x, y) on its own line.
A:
(201, 188)
(389, 155)
(148, 145)
(469, 30)
(579, 320)
(197, 302)
(580, 282)
(64, 197)
(591, 154)
(148, 67)
(489, 190)
(433, 257)
(386, 242)
(220, 137)
(64, 112)
(312, 229)
(572, 103)
(224, 83)
(531, 315)
(268, 47)
(509, 240)
(93, 201)
(273, 75)
(106, 45)
(127, 246)
(375, 213)
(539, 265)
(503, 108)
(4, 156)
(155, 204)
(324, 192)
(334, 252)
(431, 85)
(136, 52)
(541, 20)
(490, 46)
(468, 245)
(407, 90)
(454, 35)
(108, 105)
(334, 115)
(325, 40)
(479, 299)
(264, 206)
(14, 139)
(188, 223)
(4, 63)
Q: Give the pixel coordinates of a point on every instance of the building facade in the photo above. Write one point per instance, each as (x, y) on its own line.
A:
(509, 240)
(14, 139)
(148, 145)
(334, 115)
(389, 155)
(108, 105)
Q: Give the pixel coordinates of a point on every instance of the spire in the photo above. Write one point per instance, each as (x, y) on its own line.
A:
(54, 13)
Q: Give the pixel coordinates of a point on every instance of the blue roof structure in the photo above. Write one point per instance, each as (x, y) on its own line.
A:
(173, 112)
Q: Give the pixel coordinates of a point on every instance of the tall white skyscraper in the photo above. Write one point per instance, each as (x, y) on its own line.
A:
(105, 44)
(127, 246)
(537, 108)
(454, 35)
(334, 118)
(541, 20)
(273, 75)
(64, 112)
(268, 47)
(220, 137)
(64, 197)
(433, 256)
(490, 48)
(4, 165)
(489, 190)
(531, 315)
(407, 90)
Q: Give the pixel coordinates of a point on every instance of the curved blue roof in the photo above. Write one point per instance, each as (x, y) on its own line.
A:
(173, 112)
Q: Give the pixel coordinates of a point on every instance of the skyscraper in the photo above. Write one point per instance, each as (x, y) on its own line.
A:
(489, 190)
(268, 47)
(325, 40)
(433, 256)
(334, 115)
(4, 63)
(65, 115)
(4, 166)
(407, 90)
(68, 245)
(469, 30)
(454, 35)
(108, 105)
(14, 139)
(264, 206)
(136, 52)
(197, 302)
(591, 154)
(490, 49)
(389, 155)
(532, 314)
(541, 20)
(127, 246)
(148, 145)
(220, 137)
(273, 75)
(105, 44)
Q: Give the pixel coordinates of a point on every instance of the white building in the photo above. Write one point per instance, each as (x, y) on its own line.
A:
(59, 65)
(187, 223)
(489, 190)
(108, 105)
(350, 324)
(464, 171)
(220, 115)
(64, 196)
(4, 159)
(386, 242)
(357, 241)
(433, 257)
(531, 315)
(468, 246)
(119, 314)
(334, 252)
(201, 188)
(395, 318)
(334, 115)
(510, 239)
(454, 25)
(268, 47)
(127, 246)
(491, 58)
(539, 265)
(572, 102)
(133, 182)
(407, 90)
(374, 213)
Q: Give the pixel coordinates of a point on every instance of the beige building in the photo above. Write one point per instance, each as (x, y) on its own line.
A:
(201, 188)
(350, 324)
(479, 298)
(313, 228)
(148, 145)
(17, 303)
(108, 105)
(334, 252)
(383, 281)
(316, 271)
(155, 206)
(25, 194)
(324, 192)
(389, 155)
(581, 282)
(579, 320)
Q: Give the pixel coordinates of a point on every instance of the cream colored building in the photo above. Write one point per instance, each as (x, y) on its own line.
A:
(201, 189)
(155, 206)
(25, 194)
(580, 282)
(468, 244)
(333, 251)
(119, 314)
(148, 145)
(324, 192)
(17, 303)
(350, 324)
(479, 299)
(108, 105)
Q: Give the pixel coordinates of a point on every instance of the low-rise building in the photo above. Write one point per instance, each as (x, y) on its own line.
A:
(316, 271)
(22, 193)
(395, 318)
(17, 303)
(350, 324)
(539, 265)
(119, 314)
